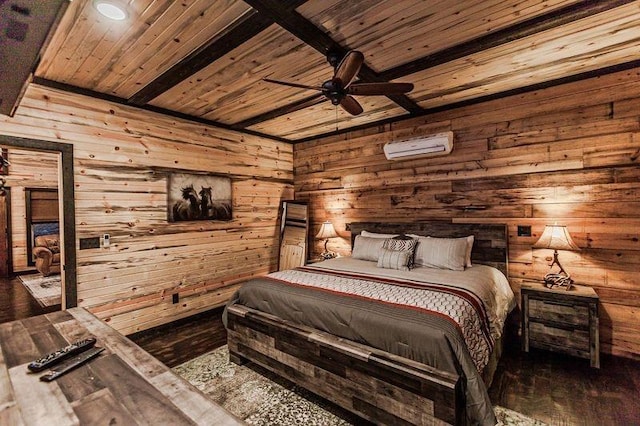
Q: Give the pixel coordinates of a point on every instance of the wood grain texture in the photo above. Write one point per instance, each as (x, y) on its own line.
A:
(561, 320)
(551, 387)
(567, 154)
(122, 159)
(93, 52)
(373, 384)
(28, 170)
(466, 50)
(124, 384)
(403, 24)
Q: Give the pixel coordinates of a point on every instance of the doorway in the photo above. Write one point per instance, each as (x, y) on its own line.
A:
(67, 237)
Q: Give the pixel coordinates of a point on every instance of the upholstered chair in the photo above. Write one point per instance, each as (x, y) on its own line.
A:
(47, 253)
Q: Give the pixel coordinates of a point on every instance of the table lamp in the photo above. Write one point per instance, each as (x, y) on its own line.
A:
(327, 231)
(556, 237)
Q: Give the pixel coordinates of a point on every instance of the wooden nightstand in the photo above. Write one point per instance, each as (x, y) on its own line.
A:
(560, 320)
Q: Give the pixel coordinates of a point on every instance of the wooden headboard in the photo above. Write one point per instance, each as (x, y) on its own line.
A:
(489, 247)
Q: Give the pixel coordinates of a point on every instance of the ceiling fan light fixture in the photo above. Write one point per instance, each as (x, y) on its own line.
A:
(111, 9)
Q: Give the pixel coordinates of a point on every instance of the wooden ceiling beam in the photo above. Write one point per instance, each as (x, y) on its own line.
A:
(243, 29)
(299, 26)
(523, 29)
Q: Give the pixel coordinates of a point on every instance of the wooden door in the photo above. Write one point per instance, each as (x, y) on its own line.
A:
(5, 236)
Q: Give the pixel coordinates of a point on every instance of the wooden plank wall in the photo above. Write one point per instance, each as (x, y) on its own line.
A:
(569, 153)
(28, 169)
(121, 159)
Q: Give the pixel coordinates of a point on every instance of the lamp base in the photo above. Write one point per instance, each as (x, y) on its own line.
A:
(560, 280)
(328, 255)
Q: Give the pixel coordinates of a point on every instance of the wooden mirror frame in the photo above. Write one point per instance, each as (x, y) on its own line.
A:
(296, 223)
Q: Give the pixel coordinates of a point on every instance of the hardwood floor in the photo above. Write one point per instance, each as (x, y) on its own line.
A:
(562, 390)
(551, 387)
(17, 303)
(185, 339)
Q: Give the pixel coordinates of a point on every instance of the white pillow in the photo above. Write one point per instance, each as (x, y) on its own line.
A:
(377, 235)
(443, 253)
(366, 248)
(470, 240)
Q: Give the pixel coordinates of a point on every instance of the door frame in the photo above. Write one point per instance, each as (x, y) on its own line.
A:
(7, 201)
(67, 210)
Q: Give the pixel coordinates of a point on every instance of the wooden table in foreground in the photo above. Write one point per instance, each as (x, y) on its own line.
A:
(124, 385)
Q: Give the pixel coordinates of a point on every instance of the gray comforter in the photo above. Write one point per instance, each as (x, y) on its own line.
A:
(400, 317)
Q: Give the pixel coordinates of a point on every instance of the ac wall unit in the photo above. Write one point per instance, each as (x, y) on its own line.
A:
(420, 146)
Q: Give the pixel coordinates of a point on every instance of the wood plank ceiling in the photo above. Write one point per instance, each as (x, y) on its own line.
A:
(205, 59)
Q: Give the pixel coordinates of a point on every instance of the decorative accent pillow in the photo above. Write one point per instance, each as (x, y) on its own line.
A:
(365, 248)
(394, 259)
(443, 253)
(401, 242)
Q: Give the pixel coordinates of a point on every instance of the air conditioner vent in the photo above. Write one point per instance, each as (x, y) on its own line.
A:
(420, 146)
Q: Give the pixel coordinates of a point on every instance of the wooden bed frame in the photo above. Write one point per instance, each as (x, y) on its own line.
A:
(376, 385)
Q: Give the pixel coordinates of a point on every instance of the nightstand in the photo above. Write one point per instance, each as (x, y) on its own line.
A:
(561, 320)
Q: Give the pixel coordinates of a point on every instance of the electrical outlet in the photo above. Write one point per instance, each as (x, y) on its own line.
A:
(106, 240)
(524, 230)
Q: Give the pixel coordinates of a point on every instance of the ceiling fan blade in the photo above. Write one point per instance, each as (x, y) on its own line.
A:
(379, 88)
(286, 83)
(351, 105)
(349, 67)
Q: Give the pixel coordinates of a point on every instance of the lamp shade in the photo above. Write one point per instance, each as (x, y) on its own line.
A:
(326, 231)
(556, 237)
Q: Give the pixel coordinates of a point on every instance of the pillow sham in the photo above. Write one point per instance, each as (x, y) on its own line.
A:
(366, 248)
(394, 259)
(376, 235)
(470, 240)
(442, 253)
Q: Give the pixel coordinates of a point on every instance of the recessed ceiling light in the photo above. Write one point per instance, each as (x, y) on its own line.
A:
(112, 9)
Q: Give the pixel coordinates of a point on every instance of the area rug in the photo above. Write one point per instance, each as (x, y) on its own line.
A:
(46, 290)
(261, 398)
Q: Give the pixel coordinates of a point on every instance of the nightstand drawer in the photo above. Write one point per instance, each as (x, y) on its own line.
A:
(574, 342)
(563, 313)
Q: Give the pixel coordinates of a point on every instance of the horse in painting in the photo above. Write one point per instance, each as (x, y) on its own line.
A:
(213, 210)
(189, 207)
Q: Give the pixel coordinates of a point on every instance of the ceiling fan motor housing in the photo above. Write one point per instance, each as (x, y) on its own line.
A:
(333, 90)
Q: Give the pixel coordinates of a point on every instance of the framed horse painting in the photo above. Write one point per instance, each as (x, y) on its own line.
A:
(198, 197)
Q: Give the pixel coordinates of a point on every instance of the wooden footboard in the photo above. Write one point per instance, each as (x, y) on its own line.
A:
(376, 385)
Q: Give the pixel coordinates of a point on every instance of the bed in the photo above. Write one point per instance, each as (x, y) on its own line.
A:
(394, 346)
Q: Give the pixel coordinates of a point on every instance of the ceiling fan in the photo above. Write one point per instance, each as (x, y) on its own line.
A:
(340, 88)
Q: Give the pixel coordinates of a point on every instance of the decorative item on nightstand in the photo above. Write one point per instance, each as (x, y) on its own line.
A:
(327, 231)
(557, 237)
